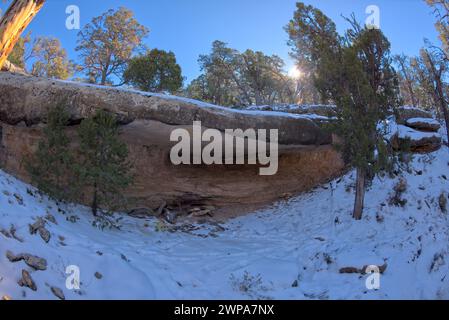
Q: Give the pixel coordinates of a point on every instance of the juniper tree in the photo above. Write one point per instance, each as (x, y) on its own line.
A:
(103, 168)
(355, 73)
(50, 167)
(155, 71)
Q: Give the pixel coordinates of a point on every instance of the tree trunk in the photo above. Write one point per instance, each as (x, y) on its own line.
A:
(443, 107)
(359, 194)
(12, 24)
(103, 78)
(412, 93)
(409, 82)
(439, 91)
(95, 201)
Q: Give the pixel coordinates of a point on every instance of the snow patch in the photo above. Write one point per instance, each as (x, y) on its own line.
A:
(291, 250)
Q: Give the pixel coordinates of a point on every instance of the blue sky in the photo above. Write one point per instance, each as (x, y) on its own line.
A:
(188, 27)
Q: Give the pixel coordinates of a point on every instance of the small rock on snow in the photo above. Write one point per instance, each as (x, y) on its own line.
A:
(27, 281)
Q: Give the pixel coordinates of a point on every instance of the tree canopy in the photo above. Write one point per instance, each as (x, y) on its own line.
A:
(107, 43)
(156, 71)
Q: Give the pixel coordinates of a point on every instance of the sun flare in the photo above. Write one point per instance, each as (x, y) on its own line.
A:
(295, 72)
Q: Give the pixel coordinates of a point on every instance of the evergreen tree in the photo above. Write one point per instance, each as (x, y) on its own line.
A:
(50, 167)
(107, 43)
(17, 56)
(103, 167)
(220, 76)
(156, 71)
(50, 59)
(262, 77)
(232, 78)
(355, 73)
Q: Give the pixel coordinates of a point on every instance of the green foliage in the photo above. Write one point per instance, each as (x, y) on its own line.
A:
(218, 76)
(364, 98)
(98, 166)
(231, 78)
(17, 56)
(156, 71)
(107, 43)
(50, 59)
(314, 41)
(50, 167)
(103, 166)
(355, 72)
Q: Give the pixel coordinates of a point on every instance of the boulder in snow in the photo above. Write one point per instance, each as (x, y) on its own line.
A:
(417, 141)
(12, 257)
(407, 112)
(40, 223)
(424, 124)
(35, 262)
(45, 234)
(27, 281)
(58, 293)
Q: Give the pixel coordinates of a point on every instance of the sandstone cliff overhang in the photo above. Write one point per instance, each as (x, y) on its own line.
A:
(27, 99)
(306, 155)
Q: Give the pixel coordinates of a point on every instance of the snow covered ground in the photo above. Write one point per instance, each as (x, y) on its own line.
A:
(292, 250)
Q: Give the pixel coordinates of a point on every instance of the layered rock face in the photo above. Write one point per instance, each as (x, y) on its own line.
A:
(417, 130)
(306, 155)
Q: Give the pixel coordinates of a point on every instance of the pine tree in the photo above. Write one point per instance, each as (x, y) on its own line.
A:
(103, 167)
(50, 167)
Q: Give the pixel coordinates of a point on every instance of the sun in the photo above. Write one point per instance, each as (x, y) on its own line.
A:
(295, 73)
